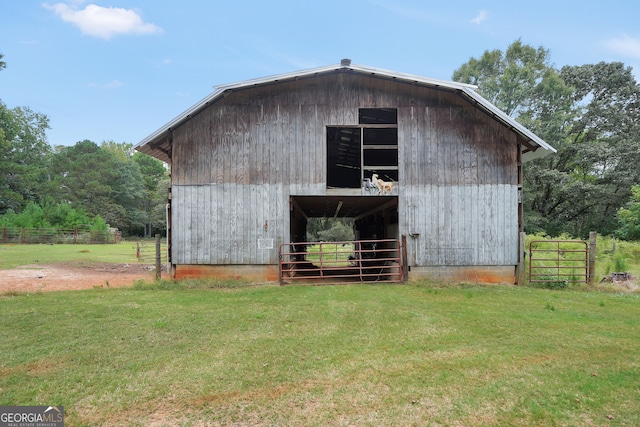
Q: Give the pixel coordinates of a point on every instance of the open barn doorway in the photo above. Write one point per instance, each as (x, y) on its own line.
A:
(373, 254)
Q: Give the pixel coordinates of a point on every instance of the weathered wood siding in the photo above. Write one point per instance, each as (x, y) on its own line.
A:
(235, 164)
(459, 184)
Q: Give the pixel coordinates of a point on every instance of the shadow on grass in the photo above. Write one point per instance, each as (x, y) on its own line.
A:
(13, 294)
(200, 283)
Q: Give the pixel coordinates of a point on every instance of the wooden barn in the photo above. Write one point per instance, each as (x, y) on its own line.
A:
(254, 160)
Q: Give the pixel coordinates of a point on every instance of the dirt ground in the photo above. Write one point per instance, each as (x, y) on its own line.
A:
(58, 277)
(62, 277)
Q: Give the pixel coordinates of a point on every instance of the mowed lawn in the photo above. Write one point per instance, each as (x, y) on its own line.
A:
(372, 355)
(12, 256)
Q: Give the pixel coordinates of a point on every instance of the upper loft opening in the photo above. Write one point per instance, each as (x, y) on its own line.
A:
(388, 116)
(357, 152)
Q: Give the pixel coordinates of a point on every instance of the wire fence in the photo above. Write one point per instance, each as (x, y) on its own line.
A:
(146, 252)
(59, 235)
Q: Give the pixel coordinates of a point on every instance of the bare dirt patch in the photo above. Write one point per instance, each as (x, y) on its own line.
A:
(60, 277)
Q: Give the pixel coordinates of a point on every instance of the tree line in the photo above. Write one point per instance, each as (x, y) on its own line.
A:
(79, 186)
(589, 113)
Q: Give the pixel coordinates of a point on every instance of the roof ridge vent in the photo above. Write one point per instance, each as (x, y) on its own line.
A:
(345, 62)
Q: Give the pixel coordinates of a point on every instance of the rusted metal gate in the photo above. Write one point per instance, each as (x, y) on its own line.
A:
(558, 261)
(341, 262)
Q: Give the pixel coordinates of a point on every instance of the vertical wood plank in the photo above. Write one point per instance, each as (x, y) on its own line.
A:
(213, 224)
(474, 218)
(234, 231)
(189, 226)
(177, 224)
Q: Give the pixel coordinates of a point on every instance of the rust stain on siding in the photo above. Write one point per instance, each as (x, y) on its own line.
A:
(254, 273)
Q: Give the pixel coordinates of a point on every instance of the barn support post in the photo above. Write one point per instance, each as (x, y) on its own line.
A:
(158, 258)
(592, 256)
(522, 259)
(404, 260)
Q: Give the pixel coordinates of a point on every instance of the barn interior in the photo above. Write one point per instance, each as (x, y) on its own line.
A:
(375, 226)
(374, 217)
(355, 153)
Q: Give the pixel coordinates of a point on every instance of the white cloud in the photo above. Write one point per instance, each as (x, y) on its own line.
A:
(164, 63)
(626, 46)
(103, 22)
(114, 84)
(482, 15)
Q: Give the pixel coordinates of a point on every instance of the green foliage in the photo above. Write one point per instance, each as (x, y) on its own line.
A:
(75, 183)
(617, 256)
(99, 224)
(106, 181)
(629, 217)
(154, 198)
(612, 255)
(63, 215)
(510, 80)
(153, 170)
(552, 283)
(24, 153)
(620, 263)
(330, 229)
(49, 215)
(590, 114)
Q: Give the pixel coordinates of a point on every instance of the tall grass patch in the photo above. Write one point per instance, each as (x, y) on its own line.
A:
(612, 256)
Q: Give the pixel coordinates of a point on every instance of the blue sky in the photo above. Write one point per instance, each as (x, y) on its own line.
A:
(120, 69)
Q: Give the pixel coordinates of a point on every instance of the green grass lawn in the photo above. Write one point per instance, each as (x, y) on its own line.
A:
(336, 255)
(378, 355)
(12, 256)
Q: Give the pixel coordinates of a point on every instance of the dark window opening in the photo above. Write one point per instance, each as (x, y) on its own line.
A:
(378, 116)
(373, 158)
(381, 136)
(344, 161)
(355, 153)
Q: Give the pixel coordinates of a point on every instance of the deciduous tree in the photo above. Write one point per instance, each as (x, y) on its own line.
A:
(24, 156)
(588, 113)
(156, 182)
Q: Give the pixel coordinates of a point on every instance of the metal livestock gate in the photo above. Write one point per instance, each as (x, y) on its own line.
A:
(341, 262)
(558, 261)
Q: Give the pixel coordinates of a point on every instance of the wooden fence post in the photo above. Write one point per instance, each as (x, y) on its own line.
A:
(592, 256)
(158, 263)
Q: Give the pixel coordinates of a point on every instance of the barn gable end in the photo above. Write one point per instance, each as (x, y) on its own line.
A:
(246, 160)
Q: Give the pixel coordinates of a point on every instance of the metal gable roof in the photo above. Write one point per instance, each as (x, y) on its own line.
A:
(157, 144)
